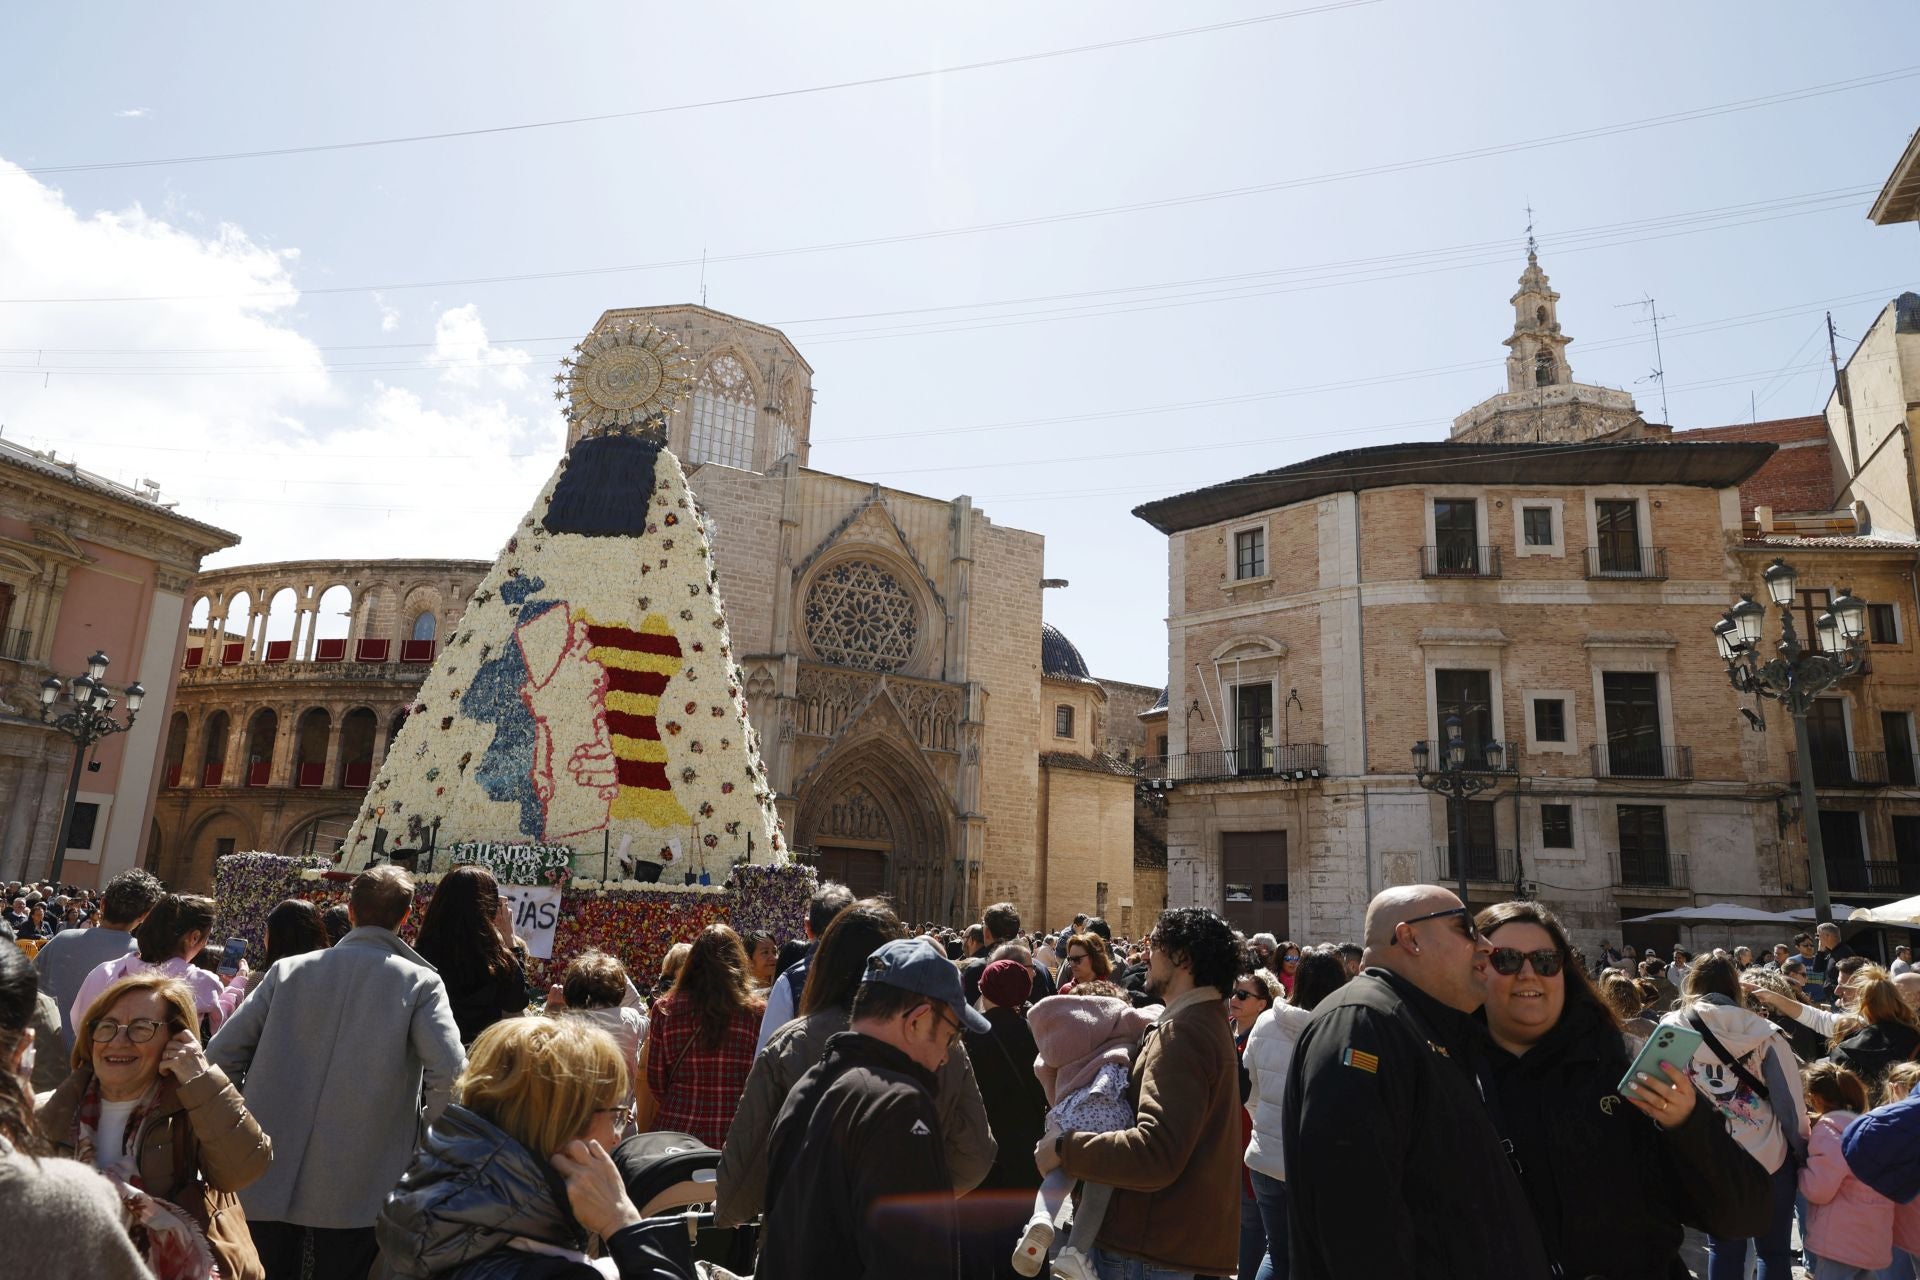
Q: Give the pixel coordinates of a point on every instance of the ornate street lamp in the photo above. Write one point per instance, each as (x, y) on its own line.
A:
(1457, 778)
(89, 719)
(1794, 679)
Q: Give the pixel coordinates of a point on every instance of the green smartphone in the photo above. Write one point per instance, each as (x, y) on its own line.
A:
(1668, 1043)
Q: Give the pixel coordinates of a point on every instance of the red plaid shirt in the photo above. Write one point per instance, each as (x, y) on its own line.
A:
(698, 1088)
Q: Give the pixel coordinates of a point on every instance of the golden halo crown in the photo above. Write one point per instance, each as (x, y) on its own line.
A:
(625, 376)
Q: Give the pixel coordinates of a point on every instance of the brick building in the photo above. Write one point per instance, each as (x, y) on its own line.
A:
(1555, 595)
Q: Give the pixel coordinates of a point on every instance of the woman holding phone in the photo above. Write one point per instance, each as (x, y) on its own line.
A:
(1614, 1178)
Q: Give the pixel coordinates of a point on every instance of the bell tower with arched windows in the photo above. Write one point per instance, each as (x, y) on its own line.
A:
(1542, 402)
(1537, 351)
(752, 401)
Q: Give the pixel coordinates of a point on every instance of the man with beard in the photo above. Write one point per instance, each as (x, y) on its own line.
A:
(1175, 1209)
(1386, 1099)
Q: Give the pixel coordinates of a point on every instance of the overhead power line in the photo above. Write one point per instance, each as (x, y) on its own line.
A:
(774, 95)
(1424, 162)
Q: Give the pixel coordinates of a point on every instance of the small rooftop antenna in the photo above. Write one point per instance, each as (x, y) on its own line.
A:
(1533, 246)
(1659, 374)
(703, 275)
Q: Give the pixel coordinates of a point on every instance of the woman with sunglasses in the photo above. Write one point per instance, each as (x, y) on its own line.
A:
(1613, 1180)
(1086, 961)
(1286, 963)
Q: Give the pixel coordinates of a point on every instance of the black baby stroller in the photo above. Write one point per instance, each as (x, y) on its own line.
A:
(673, 1175)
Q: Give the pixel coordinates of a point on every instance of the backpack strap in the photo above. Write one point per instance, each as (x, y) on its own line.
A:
(1745, 1076)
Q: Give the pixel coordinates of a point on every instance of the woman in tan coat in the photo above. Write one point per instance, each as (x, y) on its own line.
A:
(145, 1108)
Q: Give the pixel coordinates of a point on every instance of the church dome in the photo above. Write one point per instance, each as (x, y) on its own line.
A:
(1059, 657)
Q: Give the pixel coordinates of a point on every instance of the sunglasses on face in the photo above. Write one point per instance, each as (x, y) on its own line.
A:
(1507, 961)
(1241, 993)
(1076, 959)
(1460, 914)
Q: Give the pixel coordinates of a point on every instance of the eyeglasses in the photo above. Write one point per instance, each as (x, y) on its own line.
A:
(1240, 993)
(1507, 961)
(139, 1031)
(1292, 957)
(1464, 916)
(620, 1116)
(951, 1023)
(1076, 959)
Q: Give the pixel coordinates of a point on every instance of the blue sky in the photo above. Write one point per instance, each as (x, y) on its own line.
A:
(294, 417)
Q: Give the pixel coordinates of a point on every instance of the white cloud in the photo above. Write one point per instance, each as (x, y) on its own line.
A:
(134, 113)
(389, 316)
(218, 395)
(468, 359)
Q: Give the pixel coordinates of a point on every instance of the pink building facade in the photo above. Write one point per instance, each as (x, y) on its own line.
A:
(86, 564)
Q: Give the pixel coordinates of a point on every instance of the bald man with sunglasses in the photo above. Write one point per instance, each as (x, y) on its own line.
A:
(1394, 1164)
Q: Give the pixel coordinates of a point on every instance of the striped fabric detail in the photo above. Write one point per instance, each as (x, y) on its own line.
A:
(638, 663)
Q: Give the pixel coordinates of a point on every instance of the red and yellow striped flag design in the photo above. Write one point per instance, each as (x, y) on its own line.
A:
(638, 664)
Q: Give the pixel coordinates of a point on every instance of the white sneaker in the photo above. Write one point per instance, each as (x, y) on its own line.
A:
(1030, 1255)
(1073, 1265)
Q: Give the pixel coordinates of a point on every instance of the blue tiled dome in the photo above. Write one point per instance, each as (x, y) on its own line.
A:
(1058, 657)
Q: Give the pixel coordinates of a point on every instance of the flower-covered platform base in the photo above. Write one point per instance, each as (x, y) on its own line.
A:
(636, 923)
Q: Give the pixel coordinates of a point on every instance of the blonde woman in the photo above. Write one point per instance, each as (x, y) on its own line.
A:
(478, 1200)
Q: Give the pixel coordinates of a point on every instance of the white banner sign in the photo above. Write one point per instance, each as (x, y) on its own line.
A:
(535, 912)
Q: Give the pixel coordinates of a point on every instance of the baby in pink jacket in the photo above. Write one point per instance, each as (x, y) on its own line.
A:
(1086, 1044)
(1849, 1225)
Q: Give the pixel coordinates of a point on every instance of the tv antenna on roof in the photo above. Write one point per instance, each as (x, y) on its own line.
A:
(1659, 373)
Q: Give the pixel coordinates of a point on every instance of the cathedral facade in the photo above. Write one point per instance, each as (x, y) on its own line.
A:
(923, 736)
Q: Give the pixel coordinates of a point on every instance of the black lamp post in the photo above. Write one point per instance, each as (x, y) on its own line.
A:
(89, 719)
(1457, 778)
(1794, 679)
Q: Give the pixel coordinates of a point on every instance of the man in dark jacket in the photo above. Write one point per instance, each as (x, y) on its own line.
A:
(857, 1184)
(1394, 1166)
(1002, 924)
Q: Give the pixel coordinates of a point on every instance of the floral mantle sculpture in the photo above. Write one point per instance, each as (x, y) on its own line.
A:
(588, 698)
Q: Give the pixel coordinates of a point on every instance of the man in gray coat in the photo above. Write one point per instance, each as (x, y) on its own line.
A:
(331, 1051)
(71, 955)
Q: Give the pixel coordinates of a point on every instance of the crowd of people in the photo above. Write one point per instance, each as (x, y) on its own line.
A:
(1456, 1094)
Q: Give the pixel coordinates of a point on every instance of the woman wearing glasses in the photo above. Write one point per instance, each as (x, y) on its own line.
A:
(1613, 1181)
(146, 1108)
(1086, 961)
(534, 1117)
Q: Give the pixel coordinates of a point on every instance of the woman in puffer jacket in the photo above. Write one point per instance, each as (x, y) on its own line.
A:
(481, 1200)
(1746, 1069)
(1268, 1056)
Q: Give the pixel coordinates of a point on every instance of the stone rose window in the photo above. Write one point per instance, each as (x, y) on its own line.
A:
(859, 615)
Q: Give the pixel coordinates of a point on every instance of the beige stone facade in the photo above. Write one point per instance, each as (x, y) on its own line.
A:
(294, 681)
(891, 645)
(1326, 616)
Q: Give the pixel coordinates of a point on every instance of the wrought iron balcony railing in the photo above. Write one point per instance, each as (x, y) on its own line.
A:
(1851, 769)
(1485, 865)
(1859, 875)
(1459, 560)
(1649, 869)
(1627, 562)
(1294, 761)
(1623, 760)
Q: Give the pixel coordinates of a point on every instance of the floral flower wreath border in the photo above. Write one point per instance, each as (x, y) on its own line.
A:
(634, 922)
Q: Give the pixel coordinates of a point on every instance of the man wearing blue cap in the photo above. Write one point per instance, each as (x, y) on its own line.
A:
(857, 1184)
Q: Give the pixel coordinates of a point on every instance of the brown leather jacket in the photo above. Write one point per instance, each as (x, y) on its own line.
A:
(198, 1133)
